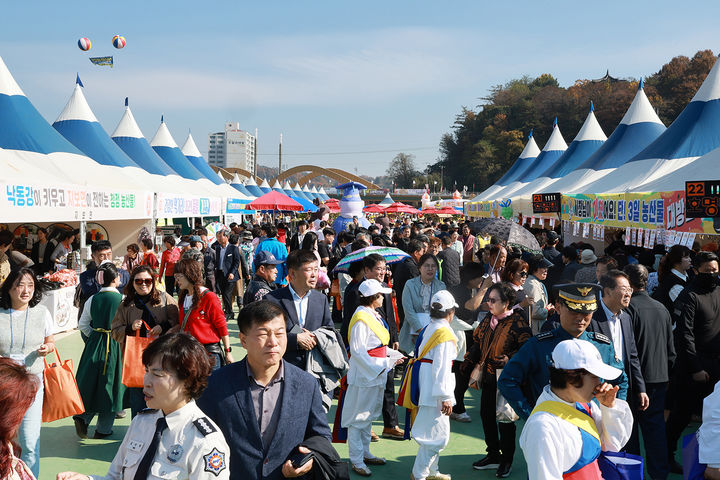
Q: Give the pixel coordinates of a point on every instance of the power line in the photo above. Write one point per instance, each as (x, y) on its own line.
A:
(350, 153)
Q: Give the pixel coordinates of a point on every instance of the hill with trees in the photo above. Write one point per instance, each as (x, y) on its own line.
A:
(486, 141)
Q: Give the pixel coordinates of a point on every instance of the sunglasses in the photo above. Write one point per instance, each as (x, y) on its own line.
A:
(143, 281)
(493, 301)
(522, 274)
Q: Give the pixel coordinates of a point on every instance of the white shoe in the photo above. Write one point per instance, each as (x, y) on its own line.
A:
(461, 417)
(438, 476)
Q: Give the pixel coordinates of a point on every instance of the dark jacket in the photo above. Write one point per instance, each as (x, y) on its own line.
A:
(42, 265)
(209, 262)
(257, 289)
(404, 271)
(662, 292)
(449, 267)
(294, 243)
(328, 465)
(569, 271)
(227, 401)
(87, 286)
(653, 337)
(698, 329)
(631, 362)
(232, 263)
(318, 315)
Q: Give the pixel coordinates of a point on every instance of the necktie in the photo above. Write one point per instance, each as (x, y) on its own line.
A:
(144, 467)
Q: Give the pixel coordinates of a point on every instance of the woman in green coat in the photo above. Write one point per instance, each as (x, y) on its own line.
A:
(99, 372)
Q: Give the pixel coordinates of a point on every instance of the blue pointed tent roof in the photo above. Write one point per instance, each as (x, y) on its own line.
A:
(265, 186)
(130, 139)
(288, 189)
(253, 188)
(639, 127)
(552, 151)
(588, 140)
(237, 184)
(192, 153)
(278, 188)
(324, 195)
(298, 191)
(79, 125)
(311, 196)
(23, 128)
(526, 157)
(307, 205)
(167, 149)
(694, 133)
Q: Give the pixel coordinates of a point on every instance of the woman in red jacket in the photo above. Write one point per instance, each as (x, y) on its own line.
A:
(169, 258)
(201, 314)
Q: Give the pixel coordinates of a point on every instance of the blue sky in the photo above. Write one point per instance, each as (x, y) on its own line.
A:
(334, 77)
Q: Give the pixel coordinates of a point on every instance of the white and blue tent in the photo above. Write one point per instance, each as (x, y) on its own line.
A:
(323, 194)
(29, 139)
(78, 124)
(308, 193)
(130, 139)
(238, 185)
(299, 191)
(278, 188)
(192, 153)
(588, 140)
(551, 152)
(695, 132)
(527, 156)
(287, 188)
(315, 192)
(639, 127)
(253, 188)
(265, 186)
(387, 201)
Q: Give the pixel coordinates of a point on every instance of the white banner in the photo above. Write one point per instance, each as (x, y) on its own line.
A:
(31, 202)
(179, 206)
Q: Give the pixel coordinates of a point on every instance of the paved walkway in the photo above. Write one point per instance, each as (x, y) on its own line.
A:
(62, 450)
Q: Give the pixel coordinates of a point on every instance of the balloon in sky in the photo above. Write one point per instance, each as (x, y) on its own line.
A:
(84, 44)
(118, 41)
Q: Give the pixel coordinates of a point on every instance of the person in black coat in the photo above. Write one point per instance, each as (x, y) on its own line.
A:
(656, 351)
(296, 240)
(610, 320)
(42, 262)
(697, 334)
(449, 263)
(227, 264)
(307, 309)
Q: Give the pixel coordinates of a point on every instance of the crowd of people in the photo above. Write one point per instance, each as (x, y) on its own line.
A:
(590, 349)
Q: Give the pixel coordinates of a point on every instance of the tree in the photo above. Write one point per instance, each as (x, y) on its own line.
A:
(402, 170)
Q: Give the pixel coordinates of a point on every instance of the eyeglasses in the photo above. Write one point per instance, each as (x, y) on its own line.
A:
(522, 274)
(143, 281)
(624, 289)
(493, 301)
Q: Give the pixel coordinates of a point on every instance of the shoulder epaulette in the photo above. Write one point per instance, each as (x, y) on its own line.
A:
(602, 338)
(147, 410)
(205, 426)
(544, 335)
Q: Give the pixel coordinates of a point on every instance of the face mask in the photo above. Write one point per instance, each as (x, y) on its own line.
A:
(706, 280)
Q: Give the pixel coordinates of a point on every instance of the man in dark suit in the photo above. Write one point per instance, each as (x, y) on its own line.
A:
(41, 251)
(264, 406)
(306, 308)
(610, 320)
(227, 263)
(101, 251)
(297, 239)
(656, 350)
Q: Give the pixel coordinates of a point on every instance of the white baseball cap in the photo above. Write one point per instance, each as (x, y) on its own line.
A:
(370, 287)
(575, 354)
(445, 299)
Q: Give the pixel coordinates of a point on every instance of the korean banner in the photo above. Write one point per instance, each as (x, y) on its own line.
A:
(177, 206)
(31, 202)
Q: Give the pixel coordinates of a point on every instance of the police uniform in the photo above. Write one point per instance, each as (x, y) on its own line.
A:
(191, 447)
(526, 374)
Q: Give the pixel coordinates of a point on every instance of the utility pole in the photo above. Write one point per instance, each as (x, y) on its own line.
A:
(442, 168)
(254, 172)
(280, 157)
